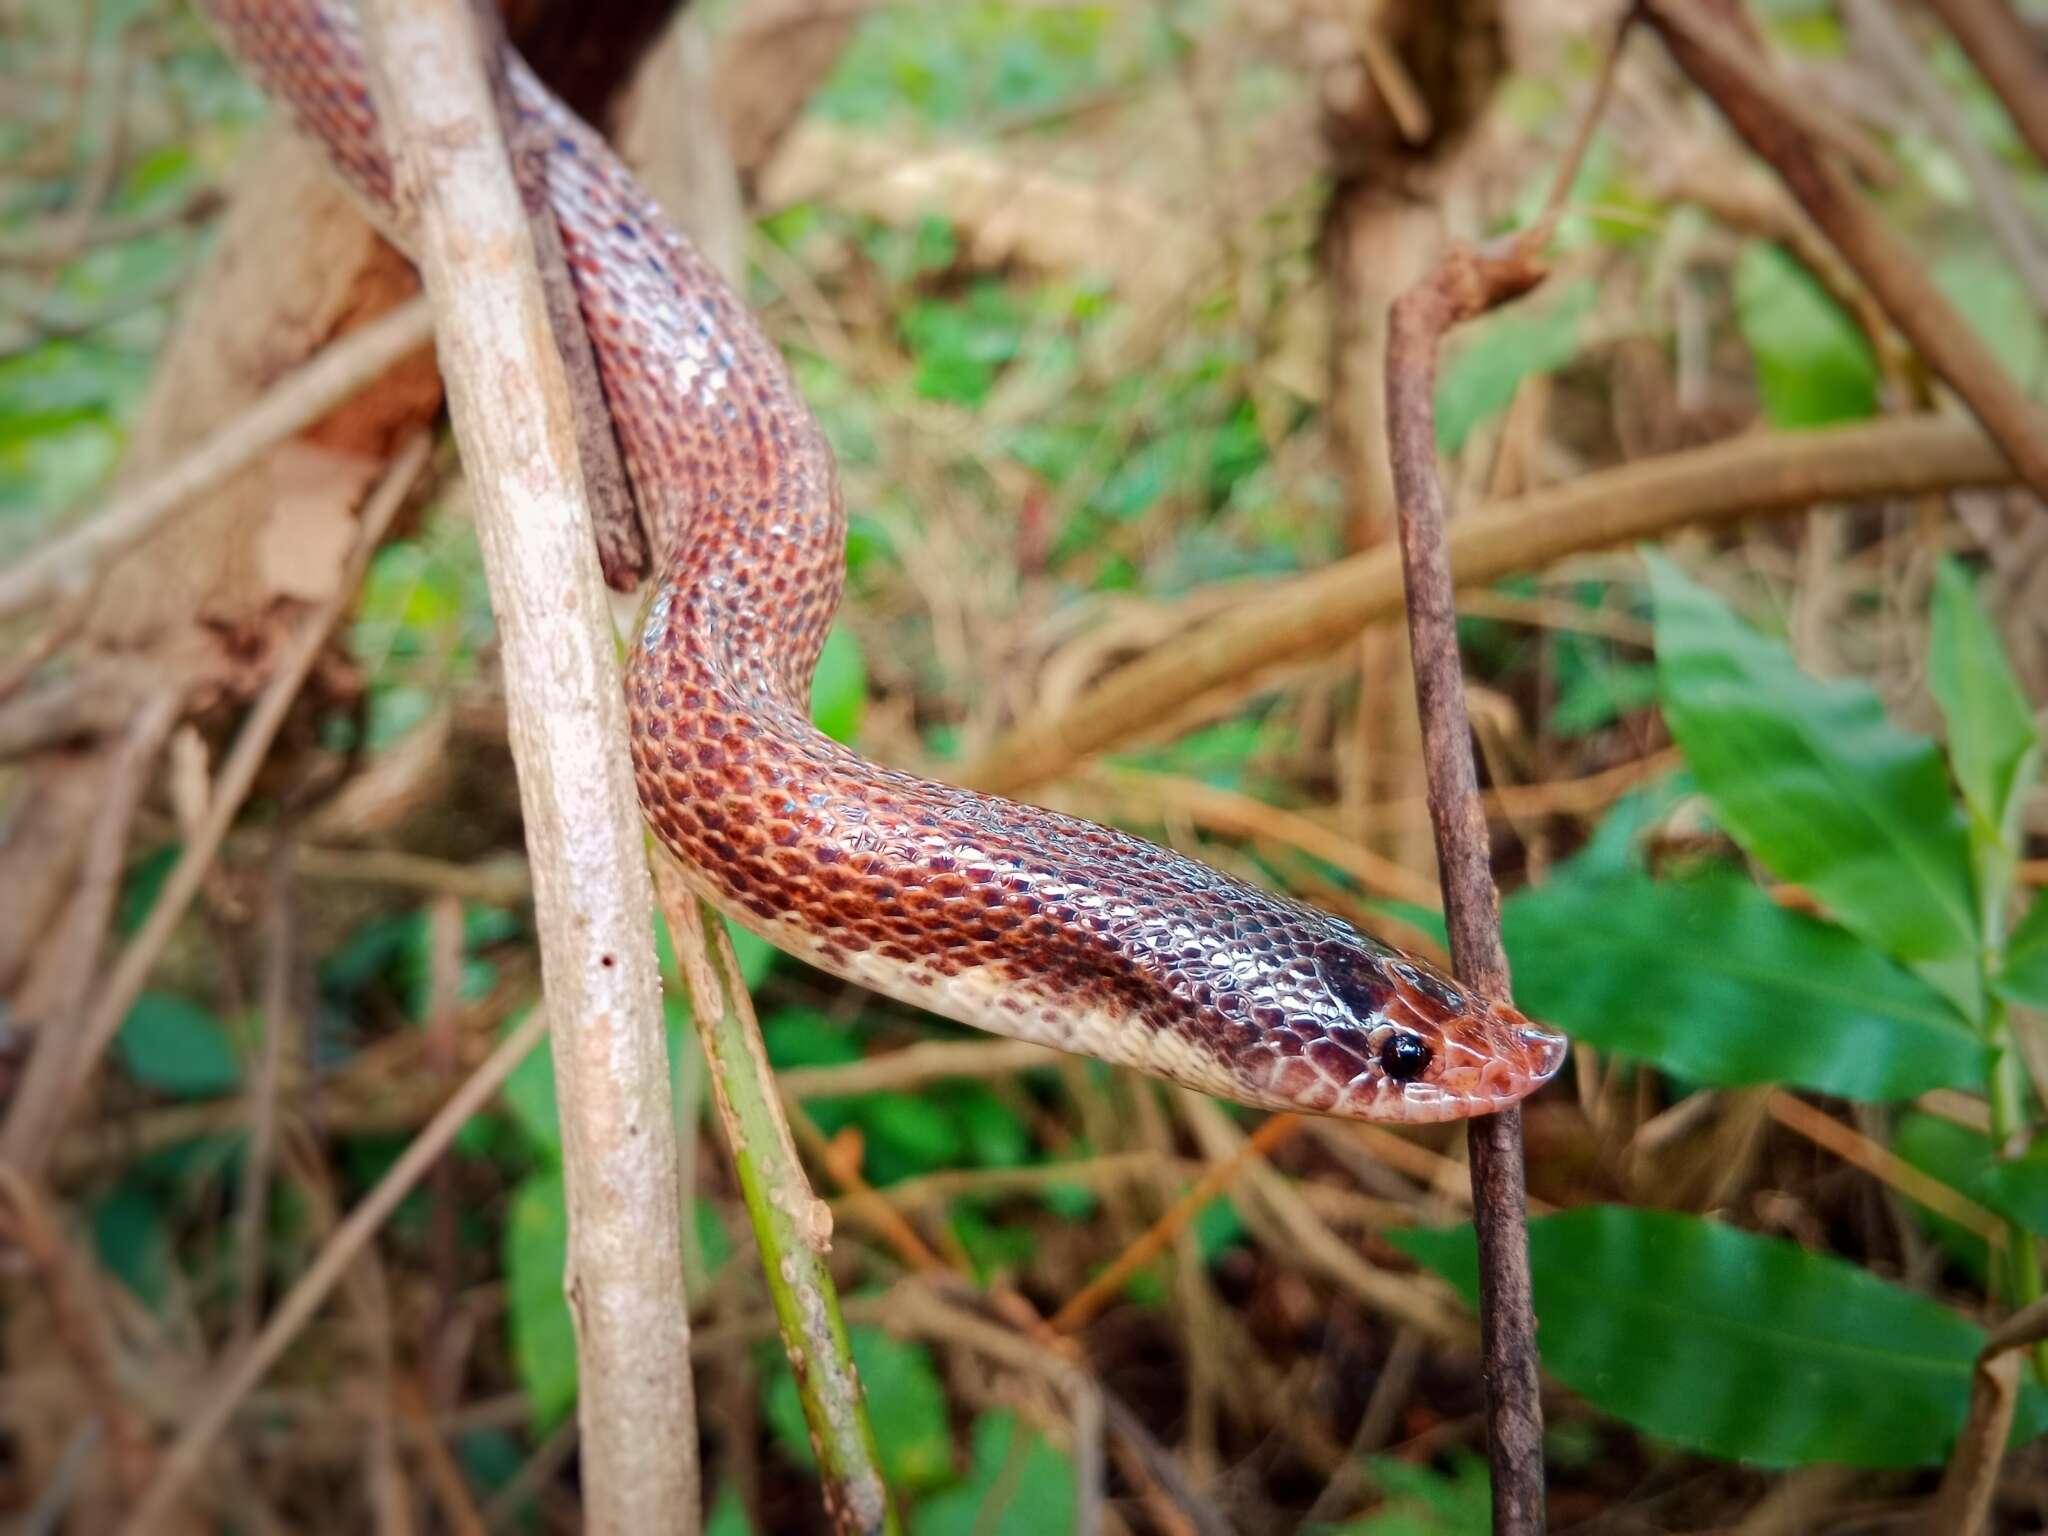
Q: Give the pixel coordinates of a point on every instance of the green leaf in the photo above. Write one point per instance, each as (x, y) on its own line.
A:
(1710, 979)
(2016, 1188)
(2025, 978)
(906, 1404)
(728, 1515)
(1812, 779)
(529, 1093)
(1740, 1346)
(1421, 1501)
(1018, 1486)
(132, 1241)
(1960, 1159)
(907, 1134)
(1813, 366)
(543, 1338)
(839, 688)
(1491, 361)
(173, 1044)
(1992, 742)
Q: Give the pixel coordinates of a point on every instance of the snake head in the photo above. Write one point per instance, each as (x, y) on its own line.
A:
(1359, 1030)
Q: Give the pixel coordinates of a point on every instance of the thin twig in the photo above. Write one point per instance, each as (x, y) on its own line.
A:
(1740, 82)
(436, 71)
(1884, 1165)
(64, 1061)
(1089, 1300)
(1467, 284)
(792, 1226)
(217, 1405)
(69, 562)
(1278, 624)
(279, 1022)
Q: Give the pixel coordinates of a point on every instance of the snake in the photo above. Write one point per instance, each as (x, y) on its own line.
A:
(1003, 916)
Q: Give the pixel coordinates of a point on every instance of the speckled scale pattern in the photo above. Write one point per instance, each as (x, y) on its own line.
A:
(1000, 915)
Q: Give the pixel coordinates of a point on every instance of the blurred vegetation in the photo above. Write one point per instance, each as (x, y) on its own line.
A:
(1827, 891)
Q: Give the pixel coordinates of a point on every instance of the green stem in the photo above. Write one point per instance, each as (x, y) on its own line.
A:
(2008, 1116)
(791, 1224)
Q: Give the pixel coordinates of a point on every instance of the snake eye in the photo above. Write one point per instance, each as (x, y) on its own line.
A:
(1404, 1057)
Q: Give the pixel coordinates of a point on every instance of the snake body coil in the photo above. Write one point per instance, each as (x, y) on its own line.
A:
(1000, 915)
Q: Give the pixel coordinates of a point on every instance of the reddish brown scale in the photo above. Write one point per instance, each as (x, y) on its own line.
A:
(1004, 916)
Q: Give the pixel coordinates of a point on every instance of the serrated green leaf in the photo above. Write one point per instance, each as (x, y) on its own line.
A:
(1018, 1486)
(1813, 780)
(173, 1044)
(1710, 979)
(906, 1404)
(543, 1337)
(1813, 366)
(1740, 1346)
(1993, 744)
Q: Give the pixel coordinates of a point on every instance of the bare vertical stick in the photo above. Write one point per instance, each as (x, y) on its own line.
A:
(1467, 284)
(432, 64)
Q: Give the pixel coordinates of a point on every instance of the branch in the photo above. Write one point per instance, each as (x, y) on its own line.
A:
(1740, 82)
(434, 76)
(1465, 285)
(1290, 622)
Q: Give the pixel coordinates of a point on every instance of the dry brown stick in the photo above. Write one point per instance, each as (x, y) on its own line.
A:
(1293, 621)
(434, 69)
(68, 562)
(195, 1441)
(1737, 83)
(64, 1060)
(1465, 285)
(2009, 58)
(1970, 1482)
